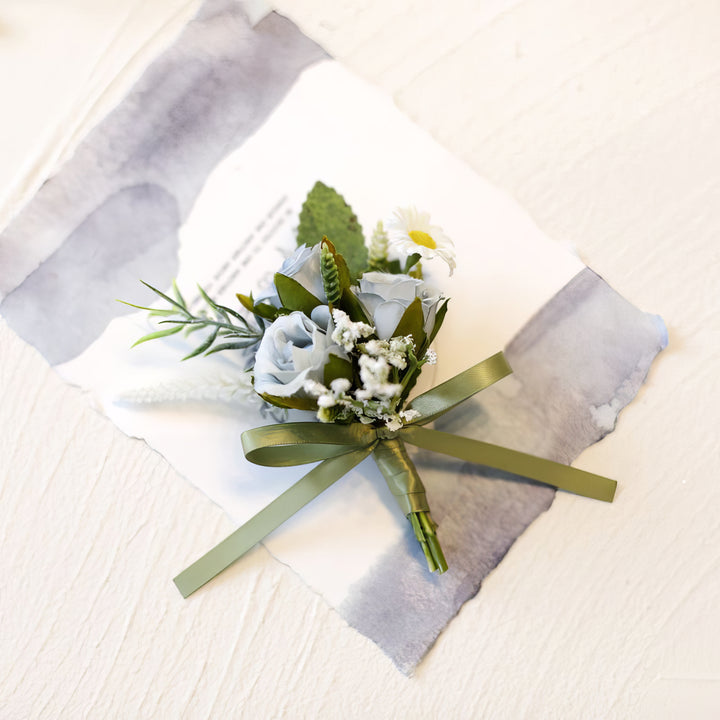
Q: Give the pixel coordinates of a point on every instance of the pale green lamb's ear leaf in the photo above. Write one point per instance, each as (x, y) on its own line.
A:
(336, 367)
(412, 323)
(294, 296)
(325, 212)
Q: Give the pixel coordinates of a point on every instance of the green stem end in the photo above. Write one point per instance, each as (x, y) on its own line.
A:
(424, 528)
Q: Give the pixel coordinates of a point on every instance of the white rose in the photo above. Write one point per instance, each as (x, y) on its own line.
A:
(293, 349)
(385, 297)
(304, 267)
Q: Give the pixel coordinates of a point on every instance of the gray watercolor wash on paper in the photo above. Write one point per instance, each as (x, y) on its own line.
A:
(115, 207)
(576, 364)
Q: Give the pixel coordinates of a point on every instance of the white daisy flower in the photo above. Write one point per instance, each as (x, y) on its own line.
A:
(410, 232)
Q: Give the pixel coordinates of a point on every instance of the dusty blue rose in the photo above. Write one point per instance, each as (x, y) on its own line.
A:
(293, 349)
(304, 267)
(385, 297)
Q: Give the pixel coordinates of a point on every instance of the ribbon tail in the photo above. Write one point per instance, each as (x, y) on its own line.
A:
(558, 475)
(268, 519)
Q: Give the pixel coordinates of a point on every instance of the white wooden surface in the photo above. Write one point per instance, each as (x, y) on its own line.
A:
(601, 118)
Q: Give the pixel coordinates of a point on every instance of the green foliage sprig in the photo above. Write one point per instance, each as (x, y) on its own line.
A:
(325, 213)
(228, 330)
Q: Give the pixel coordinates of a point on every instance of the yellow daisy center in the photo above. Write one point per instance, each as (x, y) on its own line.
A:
(422, 238)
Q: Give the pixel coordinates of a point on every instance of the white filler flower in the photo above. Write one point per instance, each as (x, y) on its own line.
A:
(410, 232)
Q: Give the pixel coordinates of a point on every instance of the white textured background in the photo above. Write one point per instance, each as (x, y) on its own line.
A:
(602, 120)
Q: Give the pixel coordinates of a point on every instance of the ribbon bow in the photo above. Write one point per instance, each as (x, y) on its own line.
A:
(339, 448)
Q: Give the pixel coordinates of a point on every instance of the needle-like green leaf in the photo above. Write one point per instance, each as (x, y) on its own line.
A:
(200, 349)
(158, 334)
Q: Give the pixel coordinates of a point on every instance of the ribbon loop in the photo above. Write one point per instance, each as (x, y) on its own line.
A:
(444, 397)
(300, 443)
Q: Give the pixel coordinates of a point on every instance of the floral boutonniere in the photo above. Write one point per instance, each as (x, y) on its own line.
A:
(344, 332)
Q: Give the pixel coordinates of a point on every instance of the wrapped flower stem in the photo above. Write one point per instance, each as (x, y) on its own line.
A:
(405, 484)
(424, 528)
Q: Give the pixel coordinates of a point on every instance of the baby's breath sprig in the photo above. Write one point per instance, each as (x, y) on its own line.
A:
(228, 329)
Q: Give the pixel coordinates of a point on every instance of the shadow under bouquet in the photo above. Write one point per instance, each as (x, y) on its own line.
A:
(344, 332)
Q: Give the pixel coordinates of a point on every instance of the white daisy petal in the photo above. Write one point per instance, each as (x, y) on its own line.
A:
(409, 231)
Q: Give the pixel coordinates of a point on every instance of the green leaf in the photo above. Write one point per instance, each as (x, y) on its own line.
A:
(199, 322)
(342, 268)
(412, 323)
(165, 297)
(178, 294)
(158, 334)
(394, 267)
(351, 305)
(161, 312)
(266, 311)
(343, 272)
(410, 378)
(234, 313)
(325, 212)
(200, 349)
(246, 301)
(189, 329)
(336, 367)
(207, 298)
(329, 272)
(294, 296)
(239, 345)
(229, 324)
(165, 312)
(411, 260)
(290, 403)
(439, 317)
(262, 310)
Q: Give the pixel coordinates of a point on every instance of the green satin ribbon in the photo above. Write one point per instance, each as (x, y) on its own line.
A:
(339, 448)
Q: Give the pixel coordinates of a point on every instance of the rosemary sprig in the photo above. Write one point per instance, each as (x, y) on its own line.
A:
(228, 329)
